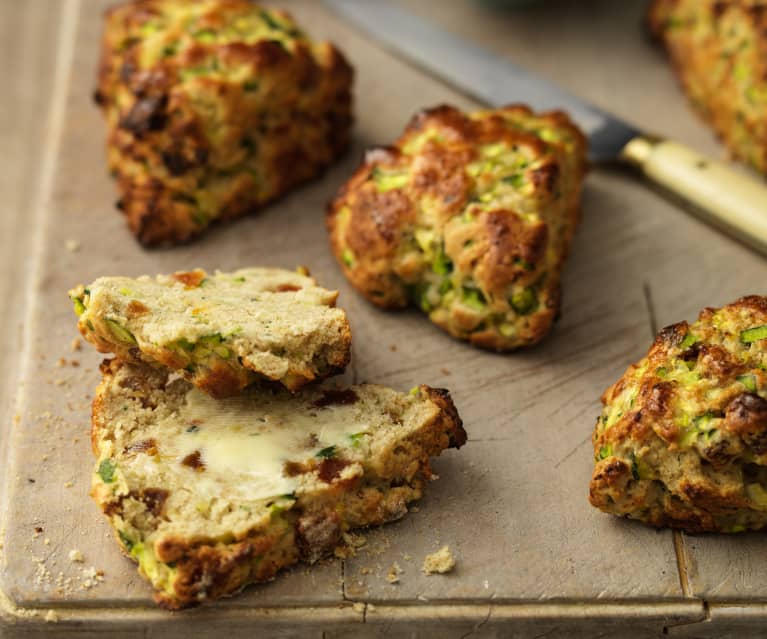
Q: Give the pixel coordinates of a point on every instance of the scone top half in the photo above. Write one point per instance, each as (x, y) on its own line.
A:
(469, 217)
(682, 438)
(213, 108)
(221, 331)
(208, 496)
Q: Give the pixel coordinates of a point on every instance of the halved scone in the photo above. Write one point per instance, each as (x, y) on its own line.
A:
(221, 331)
(211, 495)
(682, 439)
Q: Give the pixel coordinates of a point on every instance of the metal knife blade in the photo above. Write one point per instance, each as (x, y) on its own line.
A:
(480, 73)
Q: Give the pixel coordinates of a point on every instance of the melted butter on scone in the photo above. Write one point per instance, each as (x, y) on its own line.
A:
(254, 440)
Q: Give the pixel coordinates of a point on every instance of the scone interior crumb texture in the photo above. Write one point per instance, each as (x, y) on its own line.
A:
(210, 495)
(470, 218)
(213, 108)
(221, 331)
(682, 438)
(719, 51)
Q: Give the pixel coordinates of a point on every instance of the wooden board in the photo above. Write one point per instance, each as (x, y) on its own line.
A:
(533, 556)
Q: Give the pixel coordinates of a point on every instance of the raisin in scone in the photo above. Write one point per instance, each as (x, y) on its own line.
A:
(221, 331)
(468, 217)
(682, 439)
(213, 109)
(211, 495)
(719, 52)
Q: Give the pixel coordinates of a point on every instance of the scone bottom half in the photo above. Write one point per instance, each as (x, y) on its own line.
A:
(682, 438)
(468, 217)
(221, 331)
(211, 495)
(215, 108)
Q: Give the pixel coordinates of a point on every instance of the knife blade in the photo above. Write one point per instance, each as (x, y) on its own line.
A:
(731, 200)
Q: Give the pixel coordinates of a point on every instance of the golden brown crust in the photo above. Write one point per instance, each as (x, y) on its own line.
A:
(718, 49)
(470, 217)
(682, 439)
(214, 109)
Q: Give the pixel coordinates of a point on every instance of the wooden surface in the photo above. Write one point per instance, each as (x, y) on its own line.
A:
(533, 556)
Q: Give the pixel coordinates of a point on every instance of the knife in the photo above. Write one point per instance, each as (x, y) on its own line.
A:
(732, 201)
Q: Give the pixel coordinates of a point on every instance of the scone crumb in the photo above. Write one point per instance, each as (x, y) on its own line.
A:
(76, 555)
(439, 562)
(68, 484)
(51, 616)
(72, 246)
(76, 344)
(358, 606)
(394, 572)
(348, 548)
(355, 540)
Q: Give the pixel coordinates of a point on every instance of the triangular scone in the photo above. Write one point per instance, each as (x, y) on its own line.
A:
(210, 495)
(682, 439)
(221, 331)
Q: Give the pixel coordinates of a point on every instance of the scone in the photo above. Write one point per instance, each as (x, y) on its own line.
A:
(223, 331)
(682, 439)
(719, 51)
(214, 108)
(211, 495)
(470, 218)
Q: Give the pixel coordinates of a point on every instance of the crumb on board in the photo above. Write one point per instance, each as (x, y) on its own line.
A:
(76, 555)
(394, 572)
(354, 540)
(51, 616)
(91, 577)
(351, 542)
(76, 344)
(358, 606)
(393, 348)
(439, 562)
(72, 246)
(68, 484)
(444, 371)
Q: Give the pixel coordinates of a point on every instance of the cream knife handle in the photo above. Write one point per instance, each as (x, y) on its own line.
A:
(730, 200)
